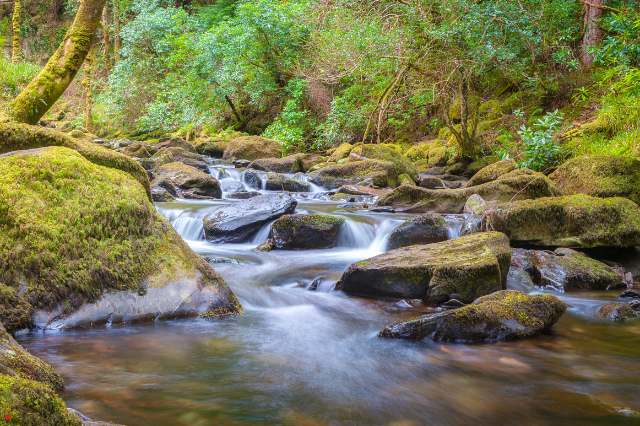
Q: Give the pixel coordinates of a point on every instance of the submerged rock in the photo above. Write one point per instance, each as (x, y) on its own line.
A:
(251, 148)
(239, 221)
(463, 269)
(73, 234)
(516, 185)
(492, 172)
(619, 312)
(299, 232)
(184, 181)
(578, 221)
(503, 315)
(424, 229)
(365, 172)
(600, 176)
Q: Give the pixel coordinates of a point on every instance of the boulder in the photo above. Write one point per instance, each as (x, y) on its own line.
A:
(280, 182)
(290, 164)
(340, 152)
(180, 180)
(619, 312)
(82, 244)
(425, 229)
(476, 205)
(442, 181)
(242, 195)
(492, 172)
(391, 153)
(516, 185)
(237, 222)
(463, 269)
(299, 232)
(503, 315)
(177, 155)
(210, 147)
(578, 221)
(365, 172)
(567, 270)
(600, 176)
(251, 148)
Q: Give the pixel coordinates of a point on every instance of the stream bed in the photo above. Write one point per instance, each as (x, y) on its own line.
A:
(304, 354)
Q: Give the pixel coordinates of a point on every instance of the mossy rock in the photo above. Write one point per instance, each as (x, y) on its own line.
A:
(392, 153)
(301, 232)
(340, 152)
(600, 176)
(517, 185)
(365, 172)
(185, 181)
(251, 148)
(425, 229)
(30, 403)
(492, 172)
(433, 153)
(210, 147)
(289, 164)
(82, 243)
(578, 221)
(619, 312)
(281, 182)
(503, 315)
(176, 154)
(464, 268)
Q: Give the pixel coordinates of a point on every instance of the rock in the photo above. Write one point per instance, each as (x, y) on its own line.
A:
(426, 229)
(290, 164)
(299, 232)
(160, 194)
(210, 147)
(185, 181)
(366, 173)
(237, 222)
(600, 176)
(630, 294)
(254, 179)
(279, 182)
(241, 164)
(140, 150)
(251, 148)
(468, 267)
(232, 186)
(619, 312)
(578, 221)
(492, 172)
(177, 155)
(80, 242)
(432, 153)
(567, 270)
(517, 185)
(341, 152)
(503, 315)
(442, 181)
(391, 153)
(362, 190)
(243, 195)
(475, 205)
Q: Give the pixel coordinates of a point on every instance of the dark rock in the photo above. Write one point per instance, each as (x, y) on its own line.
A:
(160, 194)
(186, 182)
(425, 229)
(238, 221)
(366, 172)
(299, 232)
(429, 181)
(280, 182)
(630, 294)
(243, 195)
(241, 164)
(619, 312)
(503, 315)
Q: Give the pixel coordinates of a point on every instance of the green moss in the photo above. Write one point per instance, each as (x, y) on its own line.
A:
(492, 172)
(381, 173)
(342, 151)
(251, 148)
(391, 153)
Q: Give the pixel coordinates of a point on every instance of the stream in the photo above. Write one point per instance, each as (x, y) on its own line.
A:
(304, 354)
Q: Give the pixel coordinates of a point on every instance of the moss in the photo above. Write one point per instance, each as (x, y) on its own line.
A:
(16, 311)
(251, 148)
(405, 179)
(289, 164)
(492, 172)
(293, 232)
(30, 403)
(391, 153)
(342, 151)
(380, 173)
(71, 230)
(434, 152)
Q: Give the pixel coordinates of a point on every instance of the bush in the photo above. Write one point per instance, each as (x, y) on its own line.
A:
(541, 152)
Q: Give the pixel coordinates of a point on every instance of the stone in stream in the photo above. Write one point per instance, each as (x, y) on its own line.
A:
(300, 232)
(242, 195)
(237, 222)
(429, 181)
(176, 155)
(492, 172)
(86, 246)
(519, 184)
(577, 221)
(364, 172)
(464, 269)
(567, 270)
(503, 315)
(476, 205)
(280, 182)
(290, 164)
(231, 186)
(425, 229)
(184, 181)
(251, 148)
(619, 312)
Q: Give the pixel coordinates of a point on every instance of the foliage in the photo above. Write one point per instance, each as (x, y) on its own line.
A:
(621, 45)
(14, 76)
(541, 152)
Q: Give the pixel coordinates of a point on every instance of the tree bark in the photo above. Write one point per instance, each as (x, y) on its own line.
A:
(592, 31)
(16, 49)
(88, 90)
(45, 89)
(117, 41)
(106, 38)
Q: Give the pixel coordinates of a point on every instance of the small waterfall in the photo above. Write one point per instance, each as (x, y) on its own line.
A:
(303, 178)
(262, 235)
(356, 234)
(383, 231)
(189, 226)
(462, 224)
(231, 179)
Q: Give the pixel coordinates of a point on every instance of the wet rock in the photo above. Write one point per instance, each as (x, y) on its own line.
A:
(243, 195)
(238, 221)
(577, 221)
(161, 194)
(210, 147)
(232, 186)
(567, 270)
(140, 150)
(518, 185)
(184, 181)
(96, 234)
(177, 155)
(290, 164)
(503, 315)
(251, 148)
(425, 229)
(630, 294)
(366, 173)
(362, 190)
(475, 205)
(300, 232)
(241, 164)
(469, 267)
(254, 179)
(619, 312)
(600, 176)
(429, 181)
(280, 182)
(492, 172)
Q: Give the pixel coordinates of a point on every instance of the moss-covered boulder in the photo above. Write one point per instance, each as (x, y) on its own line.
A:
(578, 221)
(492, 172)
(392, 153)
(280, 182)
(441, 181)
(600, 176)
(174, 154)
(210, 147)
(342, 151)
(300, 232)
(184, 181)
(431, 153)
(425, 229)
(462, 269)
(619, 312)
(81, 243)
(516, 185)
(365, 172)
(251, 148)
(504, 315)
(289, 164)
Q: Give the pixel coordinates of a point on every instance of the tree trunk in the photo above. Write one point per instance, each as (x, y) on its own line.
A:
(592, 32)
(45, 89)
(16, 50)
(88, 93)
(106, 38)
(117, 41)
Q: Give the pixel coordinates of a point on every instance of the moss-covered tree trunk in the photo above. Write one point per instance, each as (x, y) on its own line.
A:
(592, 31)
(89, 65)
(106, 38)
(16, 48)
(117, 41)
(45, 89)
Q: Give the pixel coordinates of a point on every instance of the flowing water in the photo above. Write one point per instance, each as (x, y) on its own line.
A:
(304, 354)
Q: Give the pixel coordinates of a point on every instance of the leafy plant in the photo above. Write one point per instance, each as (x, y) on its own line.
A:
(541, 152)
